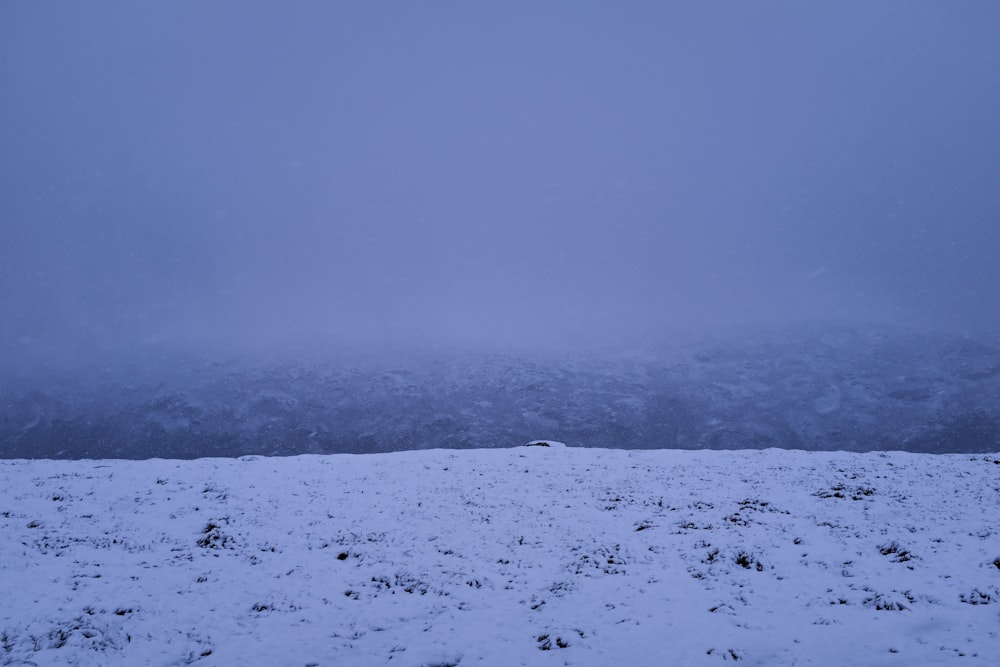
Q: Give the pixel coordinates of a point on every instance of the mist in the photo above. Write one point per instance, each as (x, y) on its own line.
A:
(245, 175)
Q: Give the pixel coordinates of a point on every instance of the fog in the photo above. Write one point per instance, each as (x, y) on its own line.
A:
(258, 175)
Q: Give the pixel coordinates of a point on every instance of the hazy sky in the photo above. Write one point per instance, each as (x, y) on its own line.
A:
(499, 172)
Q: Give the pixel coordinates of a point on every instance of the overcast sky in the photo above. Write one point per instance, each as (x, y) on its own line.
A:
(497, 173)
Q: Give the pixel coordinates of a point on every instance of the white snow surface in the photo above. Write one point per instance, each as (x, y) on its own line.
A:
(524, 556)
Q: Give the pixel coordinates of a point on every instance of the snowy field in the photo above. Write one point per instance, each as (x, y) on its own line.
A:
(524, 556)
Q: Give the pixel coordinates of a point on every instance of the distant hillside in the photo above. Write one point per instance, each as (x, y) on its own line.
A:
(810, 388)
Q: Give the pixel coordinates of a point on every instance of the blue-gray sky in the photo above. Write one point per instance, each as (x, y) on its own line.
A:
(507, 172)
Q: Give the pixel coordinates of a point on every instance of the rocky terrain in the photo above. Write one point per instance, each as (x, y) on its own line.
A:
(816, 388)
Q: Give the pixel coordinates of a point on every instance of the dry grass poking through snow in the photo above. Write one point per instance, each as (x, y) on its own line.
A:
(503, 557)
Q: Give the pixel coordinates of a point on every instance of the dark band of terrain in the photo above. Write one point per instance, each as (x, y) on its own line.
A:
(843, 389)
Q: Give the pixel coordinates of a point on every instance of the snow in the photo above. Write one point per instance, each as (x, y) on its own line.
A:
(522, 556)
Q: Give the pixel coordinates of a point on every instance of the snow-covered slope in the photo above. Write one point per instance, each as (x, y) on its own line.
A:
(531, 555)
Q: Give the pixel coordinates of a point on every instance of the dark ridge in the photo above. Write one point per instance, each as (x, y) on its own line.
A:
(812, 389)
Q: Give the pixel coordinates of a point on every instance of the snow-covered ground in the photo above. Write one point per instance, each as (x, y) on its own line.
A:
(531, 555)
